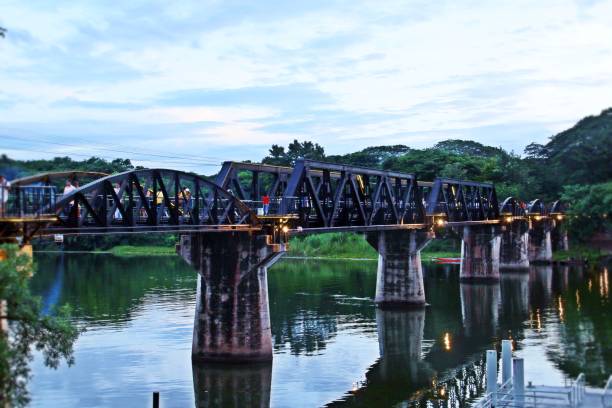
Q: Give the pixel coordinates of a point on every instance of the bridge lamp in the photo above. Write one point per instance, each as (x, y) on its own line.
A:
(285, 229)
(559, 217)
(440, 222)
(538, 217)
(508, 220)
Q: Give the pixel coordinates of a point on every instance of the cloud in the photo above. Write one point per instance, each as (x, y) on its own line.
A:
(233, 77)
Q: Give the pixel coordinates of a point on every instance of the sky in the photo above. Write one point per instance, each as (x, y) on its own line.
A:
(187, 85)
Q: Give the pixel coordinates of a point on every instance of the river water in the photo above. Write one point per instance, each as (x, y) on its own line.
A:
(332, 346)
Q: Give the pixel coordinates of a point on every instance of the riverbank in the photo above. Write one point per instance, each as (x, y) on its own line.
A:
(323, 246)
(355, 247)
(579, 253)
(130, 250)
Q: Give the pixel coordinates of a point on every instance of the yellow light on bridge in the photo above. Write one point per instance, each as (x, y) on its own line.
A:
(440, 222)
(447, 341)
(559, 217)
(285, 229)
(538, 217)
(508, 219)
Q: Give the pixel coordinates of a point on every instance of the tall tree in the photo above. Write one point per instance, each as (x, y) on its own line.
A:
(307, 150)
(28, 328)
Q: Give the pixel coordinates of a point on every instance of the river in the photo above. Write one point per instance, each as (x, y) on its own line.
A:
(332, 346)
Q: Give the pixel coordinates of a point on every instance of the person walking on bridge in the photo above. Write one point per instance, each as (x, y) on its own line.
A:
(68, 188)
(5, 186)
(266, 204)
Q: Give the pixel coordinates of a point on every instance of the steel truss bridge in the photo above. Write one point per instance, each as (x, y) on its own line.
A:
(309, 197)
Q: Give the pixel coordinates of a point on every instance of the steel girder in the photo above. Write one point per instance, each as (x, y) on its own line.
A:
(462, 201)
(331, 195)
(49, 178)
(249, 182)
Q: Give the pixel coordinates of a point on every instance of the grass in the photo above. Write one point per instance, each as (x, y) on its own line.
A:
(347, 246)
(579, 252)
(129, 250)
(325, 246)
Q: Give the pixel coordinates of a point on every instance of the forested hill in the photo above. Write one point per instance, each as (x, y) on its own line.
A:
(579, 155)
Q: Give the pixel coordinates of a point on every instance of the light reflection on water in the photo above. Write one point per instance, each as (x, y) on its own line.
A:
(332, 345)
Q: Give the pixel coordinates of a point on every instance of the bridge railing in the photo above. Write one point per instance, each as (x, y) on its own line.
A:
(25, 201)
(151, 198)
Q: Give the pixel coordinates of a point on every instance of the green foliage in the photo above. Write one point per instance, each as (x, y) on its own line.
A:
(469, 148)
(53, 336)
(339, 245)
(582, 154)
(591, 209)
(332, 245)
(148, 250)
(370, 156)
(579, 252)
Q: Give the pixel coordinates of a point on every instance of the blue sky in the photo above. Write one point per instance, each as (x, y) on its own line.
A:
(223, 80)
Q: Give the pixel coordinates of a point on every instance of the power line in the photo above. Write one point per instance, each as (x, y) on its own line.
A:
(113, 145)
(101, 148)
(203, 164)
(198, 157)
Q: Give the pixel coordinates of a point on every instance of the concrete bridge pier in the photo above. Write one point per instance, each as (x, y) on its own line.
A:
(514, 248)
(558, 237)
(399, 279)
(232, 319)
(540, 243)
(480, 254)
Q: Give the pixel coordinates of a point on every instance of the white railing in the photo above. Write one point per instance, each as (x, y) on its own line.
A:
(607, 394)
(577, 390)
(506, 397)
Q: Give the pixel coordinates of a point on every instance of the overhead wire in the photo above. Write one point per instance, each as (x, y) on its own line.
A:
(155, 152)
(26, 139)
(202, 164)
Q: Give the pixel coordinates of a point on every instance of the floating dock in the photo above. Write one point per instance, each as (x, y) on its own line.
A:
(512, 392)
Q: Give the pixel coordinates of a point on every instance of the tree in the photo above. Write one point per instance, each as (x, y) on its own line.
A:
(54, 336)
(590, 209)
(2, 32)
(296, 150)
(469, 148)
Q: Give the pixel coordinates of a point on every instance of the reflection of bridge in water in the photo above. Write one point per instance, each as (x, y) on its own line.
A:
(414, 371)
(442, 359)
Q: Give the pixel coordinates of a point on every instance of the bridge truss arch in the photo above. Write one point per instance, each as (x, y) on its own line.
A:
(511, 207)
(536, 207)
(51, 177)
(151, 199)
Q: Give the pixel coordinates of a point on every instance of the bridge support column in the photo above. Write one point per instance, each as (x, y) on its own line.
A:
(559, 238)
(480, 254)
(514, 249)
(232, 319)
(399, 280)
(540, 243)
